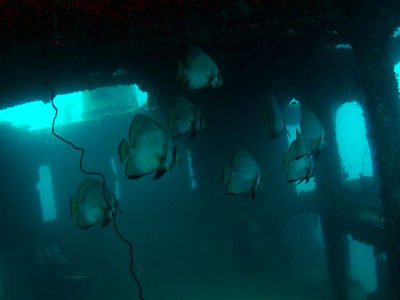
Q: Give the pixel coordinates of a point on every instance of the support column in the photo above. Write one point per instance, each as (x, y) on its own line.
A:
(337, 255)
(382, 103)
(328, 182)
(368, 27)
(381, 275)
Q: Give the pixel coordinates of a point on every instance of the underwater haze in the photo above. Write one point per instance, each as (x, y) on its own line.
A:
(191, 241)
(220, 190)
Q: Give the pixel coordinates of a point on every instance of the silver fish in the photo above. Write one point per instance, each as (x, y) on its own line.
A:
(297, 170)
(242, 175)
(312, 138)
(90, 207)
(273, 118)
(150, 149)
(185, 118)
(197, 70)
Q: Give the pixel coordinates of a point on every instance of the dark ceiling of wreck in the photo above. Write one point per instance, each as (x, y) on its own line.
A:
(62, 44)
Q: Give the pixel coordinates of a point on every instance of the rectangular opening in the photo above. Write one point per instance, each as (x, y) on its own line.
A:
(45, 188)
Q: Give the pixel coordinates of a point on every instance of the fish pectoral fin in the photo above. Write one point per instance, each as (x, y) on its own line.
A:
(73, 205)
(208, 77)
(160, 158)
(123, 150)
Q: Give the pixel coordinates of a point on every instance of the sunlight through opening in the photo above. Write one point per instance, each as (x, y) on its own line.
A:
(193, 183)
(76, 107)
(396, 33)
(343, 46)
(351, 135)
(397, 73)
(362, 264)
(45, 188)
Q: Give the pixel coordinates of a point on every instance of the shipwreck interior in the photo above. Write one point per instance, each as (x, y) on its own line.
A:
(100, 62)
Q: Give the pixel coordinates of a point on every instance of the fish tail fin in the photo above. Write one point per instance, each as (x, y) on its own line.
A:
(73, 205)
(226, 173)
(123, 150)
(180, 70)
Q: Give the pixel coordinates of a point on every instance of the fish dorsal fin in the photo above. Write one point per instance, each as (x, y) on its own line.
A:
(193, 51)
(86, 186)
(141, 122)
(309, 122)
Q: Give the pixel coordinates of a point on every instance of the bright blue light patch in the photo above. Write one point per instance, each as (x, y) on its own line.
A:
(396, 33)
(397, 74)
(117, 191)
(73, 107)
(193, 184)
(363, 265)
(343, 46)
(302, 187)
(45, 188)
(140, 96)
(114, 168)
(69, 108)
(32, 116)
(352, 141)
